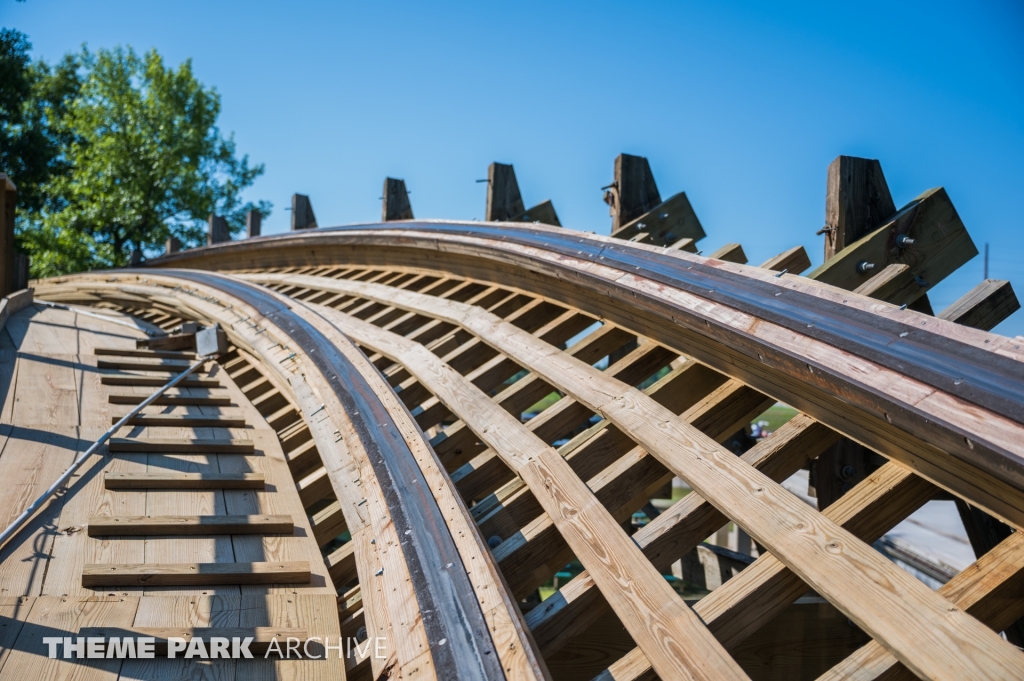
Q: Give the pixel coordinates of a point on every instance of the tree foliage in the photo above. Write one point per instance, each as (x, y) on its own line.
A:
(134, 156)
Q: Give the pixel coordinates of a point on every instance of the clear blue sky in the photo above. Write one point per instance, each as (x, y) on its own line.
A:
(741, 105)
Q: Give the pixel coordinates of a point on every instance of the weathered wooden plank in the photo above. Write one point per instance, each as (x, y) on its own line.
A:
(667, 224)
(195, 574)
(941, 245)
(795, 260)
(730, 253)
(156, 381)
(984, 306)
(141, 352)
(183, 421)
(63, 616)
(543, 212)
(125, 526)
(180, 446)
(166, 366)
(174, 400)
(173, 480)
(992, 590)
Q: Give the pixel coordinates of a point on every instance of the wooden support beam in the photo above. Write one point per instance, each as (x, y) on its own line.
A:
(253, 223)
(633, 192)
(183, 525)
(180, 446)
(341, 564)
(183, 421)
(167, 367)
(175, 480)
(217, 230)
(794, 261)
(8, 201)
(158, 353)
(174, 399)
(730, 253)
(503, 198)
(172, 245)
(857, 202)
(505, 204)
(984, 306)
(940, 245)
(195, 574)
(157, 381)
(395, 201)
(937, 642)
(543, 212)
(650, 610)
(328, 524)
(991, 590)
(302, 213)
(666, 224)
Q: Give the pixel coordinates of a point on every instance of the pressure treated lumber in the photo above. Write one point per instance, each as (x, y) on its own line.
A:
(174, 400)
(655, 617)
(992, 589)
(763, 355)
(183, 421)
(941, 245)
(181, 525)
(175, 480)
(395, 201)
(984, 306)
(182, 446)
(195, 574)
(667, 224)
(165, 366)
(156, 381)
(156, 354)
(633, 189)
(866, 577)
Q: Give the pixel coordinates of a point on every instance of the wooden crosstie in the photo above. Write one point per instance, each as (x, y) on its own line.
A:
(468, 430)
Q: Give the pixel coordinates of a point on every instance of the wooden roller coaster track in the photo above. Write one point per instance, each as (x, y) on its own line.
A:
(388, 376)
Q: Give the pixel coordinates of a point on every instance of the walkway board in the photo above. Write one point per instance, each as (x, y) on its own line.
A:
(172, 480)
(159, 445)
(179, 525)
(195, 574)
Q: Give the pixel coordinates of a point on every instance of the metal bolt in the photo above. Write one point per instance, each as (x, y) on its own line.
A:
(902, 240)
(781, 273)
(847, 472)
(863, 266)
(494, 541)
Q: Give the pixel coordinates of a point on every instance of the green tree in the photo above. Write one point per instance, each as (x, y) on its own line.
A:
(34, 97)
(145, 160)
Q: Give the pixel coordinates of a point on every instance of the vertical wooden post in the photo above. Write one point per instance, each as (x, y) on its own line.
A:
(503, 199)
(218, 231)
(253, 223)
(302, 213)
(173, 245)
(395, 201)
(22, 263)
(634, 191)
(857, 201)
(8, 198)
